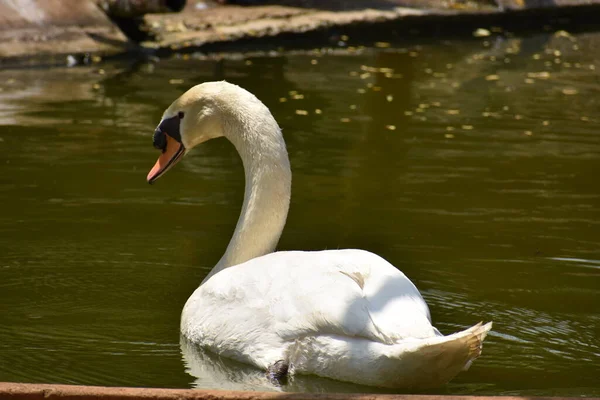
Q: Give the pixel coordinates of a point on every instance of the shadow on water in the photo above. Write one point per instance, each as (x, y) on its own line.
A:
(468, 165)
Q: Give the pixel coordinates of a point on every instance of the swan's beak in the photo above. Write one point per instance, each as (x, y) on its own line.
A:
(172, 151)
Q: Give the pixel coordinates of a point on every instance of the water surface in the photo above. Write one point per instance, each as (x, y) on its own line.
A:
(470, 165)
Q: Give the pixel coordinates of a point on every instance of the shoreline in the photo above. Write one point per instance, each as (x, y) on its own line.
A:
(85, 35)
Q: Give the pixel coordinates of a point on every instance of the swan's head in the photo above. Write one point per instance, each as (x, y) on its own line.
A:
(193, 118)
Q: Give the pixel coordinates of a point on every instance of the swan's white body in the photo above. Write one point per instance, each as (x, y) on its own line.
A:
(342, 314)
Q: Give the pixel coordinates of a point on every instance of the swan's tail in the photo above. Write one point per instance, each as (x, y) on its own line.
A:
(435, 361)
(416, 363)
(456, 351)
(475, 342)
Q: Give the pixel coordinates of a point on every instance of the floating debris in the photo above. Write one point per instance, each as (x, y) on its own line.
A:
(513, 50)
(389, 98)
(318, 111)
(467, 127)
(175, 81)
(382, 45)
(449, 136)
(297, 96)
(481, 32)
(390, 127)
(301, 112)
(492, 78)
(563, 33)
(314, 62)
(344, 120)
(569, 91)
(545, 123)
(393, 76)
(71, 61)
(452, 112)
(383, 70)
(528, 133)
(282, 99)
(539, 75)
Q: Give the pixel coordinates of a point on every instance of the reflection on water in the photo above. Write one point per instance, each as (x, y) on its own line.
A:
(214, 372)
(469, 165)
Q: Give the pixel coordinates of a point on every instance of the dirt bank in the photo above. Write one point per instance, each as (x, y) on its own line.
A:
(78, 31)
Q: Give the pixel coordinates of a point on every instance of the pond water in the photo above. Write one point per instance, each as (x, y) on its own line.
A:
(470, 165)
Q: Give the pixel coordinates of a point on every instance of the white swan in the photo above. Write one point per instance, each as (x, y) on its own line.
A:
(343, 314)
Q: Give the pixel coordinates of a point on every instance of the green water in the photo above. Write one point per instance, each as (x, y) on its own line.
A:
(473, 166)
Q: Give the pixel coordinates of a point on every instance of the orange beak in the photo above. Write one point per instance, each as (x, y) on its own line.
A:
(169, 157)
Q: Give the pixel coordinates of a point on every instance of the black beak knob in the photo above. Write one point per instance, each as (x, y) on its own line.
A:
(159, 140)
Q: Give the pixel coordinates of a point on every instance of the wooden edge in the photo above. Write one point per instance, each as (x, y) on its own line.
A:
(34, 391)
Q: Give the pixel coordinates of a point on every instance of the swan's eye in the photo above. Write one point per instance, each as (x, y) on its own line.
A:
(159, 140)
(180, 114)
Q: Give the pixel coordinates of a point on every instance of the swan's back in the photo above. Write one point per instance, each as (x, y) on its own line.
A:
(351, 293)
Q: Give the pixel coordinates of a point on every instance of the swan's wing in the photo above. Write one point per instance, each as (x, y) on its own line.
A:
(359, 294)
(344, 292)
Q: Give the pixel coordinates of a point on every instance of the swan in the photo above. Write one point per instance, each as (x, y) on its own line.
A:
(343, 314)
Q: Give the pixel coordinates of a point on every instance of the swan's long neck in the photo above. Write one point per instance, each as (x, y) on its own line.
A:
(260, 144)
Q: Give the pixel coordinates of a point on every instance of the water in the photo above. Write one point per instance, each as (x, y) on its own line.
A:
(471, 165)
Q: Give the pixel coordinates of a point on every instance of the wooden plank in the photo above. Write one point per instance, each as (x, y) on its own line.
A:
(26, 391)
